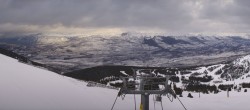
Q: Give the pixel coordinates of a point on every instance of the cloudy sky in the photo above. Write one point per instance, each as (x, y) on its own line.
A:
(114, 16)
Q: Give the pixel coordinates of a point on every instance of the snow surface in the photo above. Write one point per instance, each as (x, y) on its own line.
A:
(24, 87)
(124, 73)
(243, 61)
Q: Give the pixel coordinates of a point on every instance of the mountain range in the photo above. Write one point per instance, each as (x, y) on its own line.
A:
(68, 53)
(104, 59)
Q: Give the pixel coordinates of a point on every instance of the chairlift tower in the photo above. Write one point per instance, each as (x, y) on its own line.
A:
(145, 84)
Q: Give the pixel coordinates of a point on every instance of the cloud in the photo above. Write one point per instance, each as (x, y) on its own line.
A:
(179, 16)
(228, 15)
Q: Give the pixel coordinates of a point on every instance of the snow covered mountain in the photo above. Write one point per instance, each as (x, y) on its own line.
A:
(24, 87)
(68, 53)
(233, 73)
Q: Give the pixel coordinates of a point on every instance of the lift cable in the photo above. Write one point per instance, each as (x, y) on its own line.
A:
(135, 101)
(181, 103)
(119, 94)
(114, 102)
(171, 100)
(161, 105)
(154, 101)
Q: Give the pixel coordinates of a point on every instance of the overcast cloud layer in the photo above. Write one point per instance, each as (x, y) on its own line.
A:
(79, 16)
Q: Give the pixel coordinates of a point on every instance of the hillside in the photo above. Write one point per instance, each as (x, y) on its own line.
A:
(233, 73)
(73, 52)
(24, 87)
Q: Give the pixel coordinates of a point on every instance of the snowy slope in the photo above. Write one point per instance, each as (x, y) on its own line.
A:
(243, 61)
(24, 87)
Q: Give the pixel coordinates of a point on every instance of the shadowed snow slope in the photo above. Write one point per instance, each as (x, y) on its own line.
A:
(24, 87)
